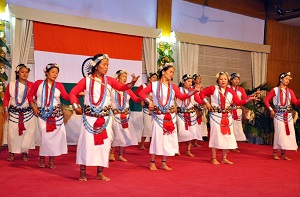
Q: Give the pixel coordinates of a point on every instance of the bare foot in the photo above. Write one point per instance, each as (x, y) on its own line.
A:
(25, 157)
(188, 153)
(121, 158)
(226, 161)
(214, 161)
(152, 166)
(196, 145)
(100, 176)
(11, 157)
(112, 157)
(42, 163)
(178, 154)
(164, 166)
(82, 175)
(285, 158)
(236, 150)
(275, 156)
(142, 147)
(51, 165)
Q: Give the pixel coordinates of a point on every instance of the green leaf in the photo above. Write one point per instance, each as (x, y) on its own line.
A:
(2, 59)
(2, 44)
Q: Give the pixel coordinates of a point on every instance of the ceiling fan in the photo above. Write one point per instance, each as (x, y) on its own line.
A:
(281, 12)
(203, 18)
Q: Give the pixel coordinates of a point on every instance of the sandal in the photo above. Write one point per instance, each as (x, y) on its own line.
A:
(42, 162)
(214, 161)
(82, 173)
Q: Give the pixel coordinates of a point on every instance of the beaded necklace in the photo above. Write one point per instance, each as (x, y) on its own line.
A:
(121, 106)
(159, 96)
(45, 102)
(185, 103)
(97, 107)
(219, 95)
(17, 93)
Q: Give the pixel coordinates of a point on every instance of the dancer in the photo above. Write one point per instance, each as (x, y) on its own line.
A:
(236, 111)
(147, 119)
(122, 127)
(200, 111)
(221, 131)
(187, 126)
(94, 142)
(53, 140)
(164, 133)
(284, 131)
(18, 113)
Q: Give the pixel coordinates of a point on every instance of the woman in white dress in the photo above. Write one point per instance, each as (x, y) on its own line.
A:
(237, 110)
(122, 127)
(52, 130)
(147, 118)
(95, 138)
(221, 130)
(187, 125)
(201, 111)
(284, 131)
(18, 113)
(164, 133)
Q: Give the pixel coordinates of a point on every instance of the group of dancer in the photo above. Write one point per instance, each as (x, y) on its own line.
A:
(171, 115)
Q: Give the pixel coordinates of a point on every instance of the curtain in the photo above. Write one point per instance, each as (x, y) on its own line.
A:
(188, 59)
(259, 68)
(21, 33)
(150, 54)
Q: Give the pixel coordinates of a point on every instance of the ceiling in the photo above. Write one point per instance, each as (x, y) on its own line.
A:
(284, 11)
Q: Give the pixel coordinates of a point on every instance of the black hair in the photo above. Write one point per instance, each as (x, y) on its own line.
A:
(21, 66)
(280, 77)
(152, 74)
(184, 78)
(159, 72)
(94, 58)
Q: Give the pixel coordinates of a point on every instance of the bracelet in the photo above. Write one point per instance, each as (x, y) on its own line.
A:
(75, 105)
(270, 108)
(5, 109)
(205, 100)
(148, 100)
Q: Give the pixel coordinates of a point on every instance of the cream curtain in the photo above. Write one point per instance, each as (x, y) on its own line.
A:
(188, 59)
(259, 68)
(21, 34)
(150, 54)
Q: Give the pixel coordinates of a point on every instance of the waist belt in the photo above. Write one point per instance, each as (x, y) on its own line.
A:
(158, 111)
(89, 111)
(125, 111)
(15, 109)
(189, 110)
(218, 109)
(56, 112)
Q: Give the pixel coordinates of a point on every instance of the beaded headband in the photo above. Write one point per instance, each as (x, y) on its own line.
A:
(222, 73)
(51, 65)
(283, 75)
(96, 61)
(21, 66)
(233, 75)
(120, 72)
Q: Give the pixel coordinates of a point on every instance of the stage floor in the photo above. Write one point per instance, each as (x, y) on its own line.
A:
(254, 173)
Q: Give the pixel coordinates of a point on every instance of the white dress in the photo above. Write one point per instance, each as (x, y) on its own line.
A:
(88, 153)
(193, 131)
(52, 143)
(20, 143)
(161, 144)
(147, 121)
(237, 124)
(122, 136)
(217, 139)
(281, 139)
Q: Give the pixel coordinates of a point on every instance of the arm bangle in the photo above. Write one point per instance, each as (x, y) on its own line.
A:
(148, 100)
(205, 100)
(75, 105)
(270, 108)
(5, 109)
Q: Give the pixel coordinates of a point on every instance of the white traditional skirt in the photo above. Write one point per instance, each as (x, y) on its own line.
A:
(281, 139)
(217, 139)
(90, 154)
(161, 144)
(238, 127)
(193, 131)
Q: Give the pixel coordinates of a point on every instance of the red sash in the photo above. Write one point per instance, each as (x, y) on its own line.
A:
(234, 114)
(168, 124)
(99, 138)
(124, 121)
(50, 124)
(21, 123)
(225, 129)
(199, 120)
(187, 120)
(286, 123)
